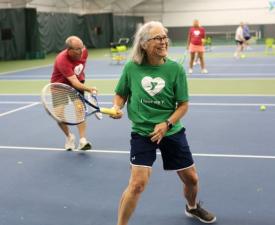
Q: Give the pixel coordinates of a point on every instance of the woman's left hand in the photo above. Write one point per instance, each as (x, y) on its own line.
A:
(159, 132)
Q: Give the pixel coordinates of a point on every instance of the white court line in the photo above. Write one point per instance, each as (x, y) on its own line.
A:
(25, 69)
(195, 103)
(213, 104)
(127, 152)
(17, 102)
(195, 95)
(20, 108)
(249, 76)
(232, 104)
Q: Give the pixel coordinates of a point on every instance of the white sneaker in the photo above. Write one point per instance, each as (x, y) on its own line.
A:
(190, 71)
(205, 71)
(84, 144)
(70, 144)
(236, 56)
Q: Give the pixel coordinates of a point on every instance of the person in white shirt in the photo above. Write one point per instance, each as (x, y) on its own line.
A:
(239, 38)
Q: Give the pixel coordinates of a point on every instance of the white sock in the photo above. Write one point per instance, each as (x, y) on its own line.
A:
(191, 207)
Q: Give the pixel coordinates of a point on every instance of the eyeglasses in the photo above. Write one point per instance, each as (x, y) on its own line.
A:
(77, 49)
(159, 39)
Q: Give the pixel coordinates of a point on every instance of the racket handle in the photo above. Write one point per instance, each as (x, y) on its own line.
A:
(108, 111)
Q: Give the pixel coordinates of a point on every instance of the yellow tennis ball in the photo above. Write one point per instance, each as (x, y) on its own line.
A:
(79, 106)
(243, 56)
(262, 107)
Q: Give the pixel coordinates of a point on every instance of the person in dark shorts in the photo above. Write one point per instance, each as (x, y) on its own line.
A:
(156, 92)
(239, 39)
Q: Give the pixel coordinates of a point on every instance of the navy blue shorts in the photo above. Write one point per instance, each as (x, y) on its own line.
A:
(174, 150)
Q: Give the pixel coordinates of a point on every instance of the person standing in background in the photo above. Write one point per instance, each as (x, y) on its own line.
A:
(239, 38)
(195, 45)
(246, 35)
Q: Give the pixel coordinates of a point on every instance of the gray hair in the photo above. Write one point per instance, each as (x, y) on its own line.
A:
(142, 35)
(71, 40)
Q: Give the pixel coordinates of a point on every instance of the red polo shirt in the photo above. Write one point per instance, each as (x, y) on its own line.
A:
(64, 67)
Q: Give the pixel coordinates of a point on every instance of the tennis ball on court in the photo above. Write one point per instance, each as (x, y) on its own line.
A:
(243, 56)
(262, 107)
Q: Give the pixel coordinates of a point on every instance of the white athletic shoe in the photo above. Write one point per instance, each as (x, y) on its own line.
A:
(70, 144)
(84, 144)
(190, 71)
(236, 55)
(205, 71)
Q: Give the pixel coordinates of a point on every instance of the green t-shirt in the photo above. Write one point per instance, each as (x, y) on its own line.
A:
(152, 94)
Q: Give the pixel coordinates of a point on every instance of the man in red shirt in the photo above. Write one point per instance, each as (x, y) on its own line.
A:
(69, 69)
(195, 45)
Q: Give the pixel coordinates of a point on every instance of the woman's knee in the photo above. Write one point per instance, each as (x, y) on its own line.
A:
(192, 179)
(189, 176)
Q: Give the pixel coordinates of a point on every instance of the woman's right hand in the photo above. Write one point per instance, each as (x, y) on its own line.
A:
(119, 113)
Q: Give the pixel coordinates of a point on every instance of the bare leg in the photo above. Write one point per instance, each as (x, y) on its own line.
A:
(137, 183)
(64, 128)
(201, 57)
(192, 58)
(239, 50)
(190, 179)
(82, 129)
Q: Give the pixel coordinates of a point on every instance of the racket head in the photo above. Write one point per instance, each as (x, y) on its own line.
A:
(64, 103)
(92, 98)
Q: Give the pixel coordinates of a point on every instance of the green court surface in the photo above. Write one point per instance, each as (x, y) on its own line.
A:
(196, 86)
(6, 66)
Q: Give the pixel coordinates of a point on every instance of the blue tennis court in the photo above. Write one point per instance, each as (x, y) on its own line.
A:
(232, 141)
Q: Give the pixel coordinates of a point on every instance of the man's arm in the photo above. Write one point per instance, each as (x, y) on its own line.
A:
(79, 86)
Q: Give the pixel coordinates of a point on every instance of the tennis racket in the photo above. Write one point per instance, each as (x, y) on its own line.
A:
(67, 105)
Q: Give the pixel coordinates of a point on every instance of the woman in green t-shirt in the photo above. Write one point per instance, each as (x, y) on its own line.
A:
(155, 89)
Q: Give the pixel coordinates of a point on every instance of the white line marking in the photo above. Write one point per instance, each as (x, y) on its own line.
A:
(18, 109)
(25, 69)
(195, 95)
(228, 78)
(248, 75)
(127, 152)
(17, 102)
(232, 104)
(195, 103)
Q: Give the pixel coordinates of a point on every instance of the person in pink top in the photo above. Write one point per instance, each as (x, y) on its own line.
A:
(69, 69)
(195, 45)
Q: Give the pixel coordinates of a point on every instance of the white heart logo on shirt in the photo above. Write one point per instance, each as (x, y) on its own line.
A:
(152, 85)
(197, 32)
(78, 69)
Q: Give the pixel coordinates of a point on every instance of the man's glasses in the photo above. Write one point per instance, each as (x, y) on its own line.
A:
(77, 49)
(159, 39)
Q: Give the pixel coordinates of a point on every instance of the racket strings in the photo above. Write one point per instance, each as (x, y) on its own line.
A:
(65, 104)
(94, 102)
